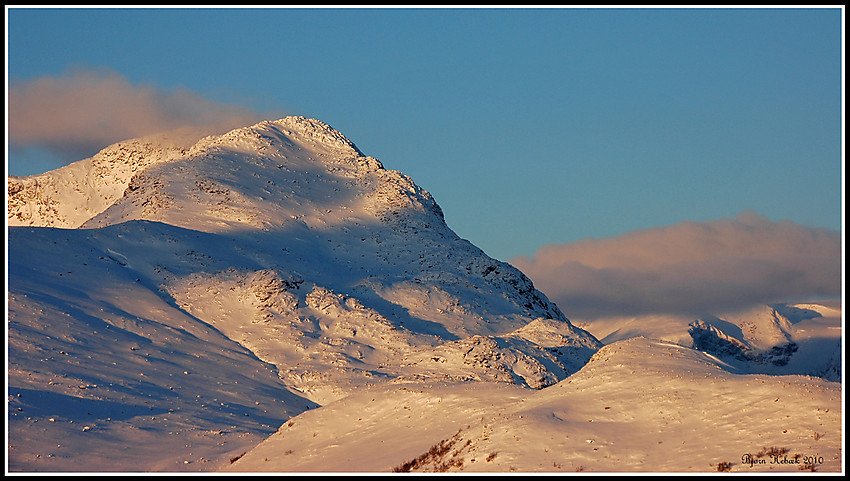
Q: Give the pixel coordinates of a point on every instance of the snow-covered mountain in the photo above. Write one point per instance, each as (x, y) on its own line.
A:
(272, 299)
(273, 249)
(780, 339)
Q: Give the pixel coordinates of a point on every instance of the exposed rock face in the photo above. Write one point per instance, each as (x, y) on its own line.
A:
(764, 337)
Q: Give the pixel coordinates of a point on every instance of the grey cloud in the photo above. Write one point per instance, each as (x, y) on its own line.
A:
(79, 113)
(690, 268)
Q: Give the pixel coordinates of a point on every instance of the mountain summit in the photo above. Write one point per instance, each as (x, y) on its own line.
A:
(298, 187)
(284, 242)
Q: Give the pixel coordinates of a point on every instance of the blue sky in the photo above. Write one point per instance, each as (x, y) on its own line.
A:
(529, 126)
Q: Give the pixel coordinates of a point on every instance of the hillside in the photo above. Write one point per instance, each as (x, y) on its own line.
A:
(638, 406)
(276, 257)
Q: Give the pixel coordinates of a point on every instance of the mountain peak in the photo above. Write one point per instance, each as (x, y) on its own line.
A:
(267, 175)
(315, 130)
(308, 133)
(73, 195)
(287, 225)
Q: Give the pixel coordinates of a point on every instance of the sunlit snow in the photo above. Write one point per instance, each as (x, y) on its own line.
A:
(272, 299)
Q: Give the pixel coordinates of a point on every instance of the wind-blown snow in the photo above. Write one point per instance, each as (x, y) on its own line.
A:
(172, 306)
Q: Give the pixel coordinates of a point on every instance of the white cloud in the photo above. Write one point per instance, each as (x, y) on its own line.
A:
(689, 268)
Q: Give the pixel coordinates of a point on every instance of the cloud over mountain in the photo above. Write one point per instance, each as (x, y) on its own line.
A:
(689, 268)
(76, 114)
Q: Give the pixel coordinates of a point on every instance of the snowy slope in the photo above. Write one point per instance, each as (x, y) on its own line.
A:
(276, 257)
(638, 406)
(106, 374)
